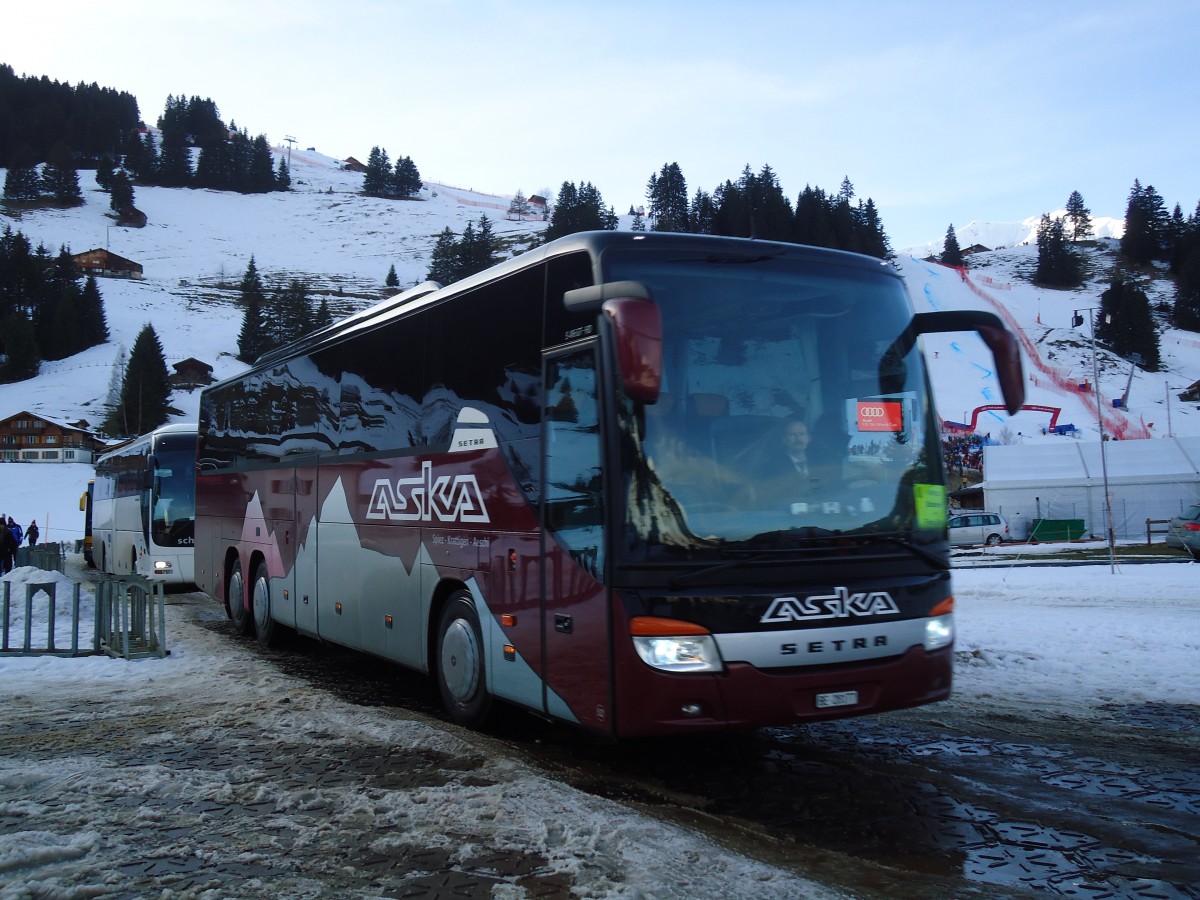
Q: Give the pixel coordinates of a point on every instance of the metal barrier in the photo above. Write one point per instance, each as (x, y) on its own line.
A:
(131, 617)
(47, 557)
(127, 620)
(28, 646)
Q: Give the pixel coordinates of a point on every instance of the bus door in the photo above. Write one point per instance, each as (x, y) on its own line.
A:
(575, 614)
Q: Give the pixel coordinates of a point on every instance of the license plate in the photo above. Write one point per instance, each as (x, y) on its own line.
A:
(837, 698)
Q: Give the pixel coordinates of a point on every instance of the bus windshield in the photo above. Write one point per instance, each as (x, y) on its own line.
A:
(785, 415)
(174, 491)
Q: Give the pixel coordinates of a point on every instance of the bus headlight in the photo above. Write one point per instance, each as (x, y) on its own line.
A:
(674, 645)
(679, 654)
(939, 632)
(162, 567)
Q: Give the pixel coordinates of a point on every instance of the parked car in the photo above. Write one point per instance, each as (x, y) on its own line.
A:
(1183, 531)
(973, 528)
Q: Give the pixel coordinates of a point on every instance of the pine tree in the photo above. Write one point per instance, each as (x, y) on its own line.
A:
(1186, 311)
(1146, 226)
(443, 259)
(120, 194)
(145, 388)
(21, 355)
(22, 182)
(323, 317)
(60, 178)
(579, 209)
(141, 157)
(701, 212)
(951, 253)
(283, 176)
(1079, 216)
(291, 314)
(406, 180)
(1058, 265)
(93, 323)
(260, 177)
(392, 280)
(667, 193)
(104, 171)
(253, 339)
(378, 174)
(174, 167)
(1126, 323)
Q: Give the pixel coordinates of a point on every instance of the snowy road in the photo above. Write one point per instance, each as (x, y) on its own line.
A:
(1065, 765)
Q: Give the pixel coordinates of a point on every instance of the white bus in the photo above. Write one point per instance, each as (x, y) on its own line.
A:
(144, 507)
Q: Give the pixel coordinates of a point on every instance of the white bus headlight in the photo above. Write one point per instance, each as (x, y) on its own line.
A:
(690, 653)
(674, 645)
(162, 567)
(939, 632)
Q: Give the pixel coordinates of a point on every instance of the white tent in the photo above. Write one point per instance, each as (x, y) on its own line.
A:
(1064, 479)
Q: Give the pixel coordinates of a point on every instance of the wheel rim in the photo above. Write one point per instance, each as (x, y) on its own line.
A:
(460, 661)
(261, 601)
(235, 598)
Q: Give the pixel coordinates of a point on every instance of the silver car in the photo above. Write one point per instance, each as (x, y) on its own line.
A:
(1183, 531)
(971, 529)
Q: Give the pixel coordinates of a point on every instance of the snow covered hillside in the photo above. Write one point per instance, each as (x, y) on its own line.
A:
(198, 243)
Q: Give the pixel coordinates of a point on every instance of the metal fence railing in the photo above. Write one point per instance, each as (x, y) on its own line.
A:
(124, 617)
(48, 557)
(131, 617)
(43, 627)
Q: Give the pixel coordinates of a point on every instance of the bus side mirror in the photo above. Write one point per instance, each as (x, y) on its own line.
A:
(637, 333)
(636, 328)
(1005, 350)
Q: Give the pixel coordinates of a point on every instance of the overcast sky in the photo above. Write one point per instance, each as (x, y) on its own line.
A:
(943, 113)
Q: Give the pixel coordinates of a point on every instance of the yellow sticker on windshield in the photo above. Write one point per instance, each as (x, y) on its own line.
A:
(930, 503)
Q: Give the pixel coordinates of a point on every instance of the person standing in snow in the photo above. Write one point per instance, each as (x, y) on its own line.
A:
(32, 533)
(17, 532)
(8, 549)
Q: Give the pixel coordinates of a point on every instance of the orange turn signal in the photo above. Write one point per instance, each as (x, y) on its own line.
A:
(655, 626)
(946, 606)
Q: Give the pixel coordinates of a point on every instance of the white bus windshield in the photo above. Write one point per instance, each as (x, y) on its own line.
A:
(782, 416)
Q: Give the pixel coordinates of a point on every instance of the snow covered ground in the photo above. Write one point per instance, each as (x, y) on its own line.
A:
(1059, 642)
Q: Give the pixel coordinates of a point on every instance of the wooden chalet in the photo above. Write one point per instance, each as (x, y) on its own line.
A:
(191, 373)
(30, 437)
(106, 263)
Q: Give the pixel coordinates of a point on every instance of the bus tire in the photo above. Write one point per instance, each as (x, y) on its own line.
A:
(265, 627)
(460, 663)
(235, 601)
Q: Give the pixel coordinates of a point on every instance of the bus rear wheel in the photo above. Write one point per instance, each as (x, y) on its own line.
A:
(260, 602)
(235, 600)
(460, 663)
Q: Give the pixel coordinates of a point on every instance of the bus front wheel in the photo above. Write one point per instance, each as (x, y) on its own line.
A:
(260, 602)
(460, 671)
(235, 599)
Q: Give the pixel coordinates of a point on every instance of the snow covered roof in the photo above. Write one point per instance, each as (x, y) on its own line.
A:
(1070, 461)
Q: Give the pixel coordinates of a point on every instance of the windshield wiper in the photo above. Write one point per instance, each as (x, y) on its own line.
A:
(688, 577)
(789, 542)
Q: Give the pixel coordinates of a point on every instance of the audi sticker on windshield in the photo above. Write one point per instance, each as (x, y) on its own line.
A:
(880, 415)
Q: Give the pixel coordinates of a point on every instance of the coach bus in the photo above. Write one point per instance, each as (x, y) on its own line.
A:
(144, 504)
(541, 485)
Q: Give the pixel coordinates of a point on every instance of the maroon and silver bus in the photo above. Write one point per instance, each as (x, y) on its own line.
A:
(550, 484)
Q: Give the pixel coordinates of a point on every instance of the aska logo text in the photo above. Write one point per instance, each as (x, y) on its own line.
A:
(841, 604)
(446, 498)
